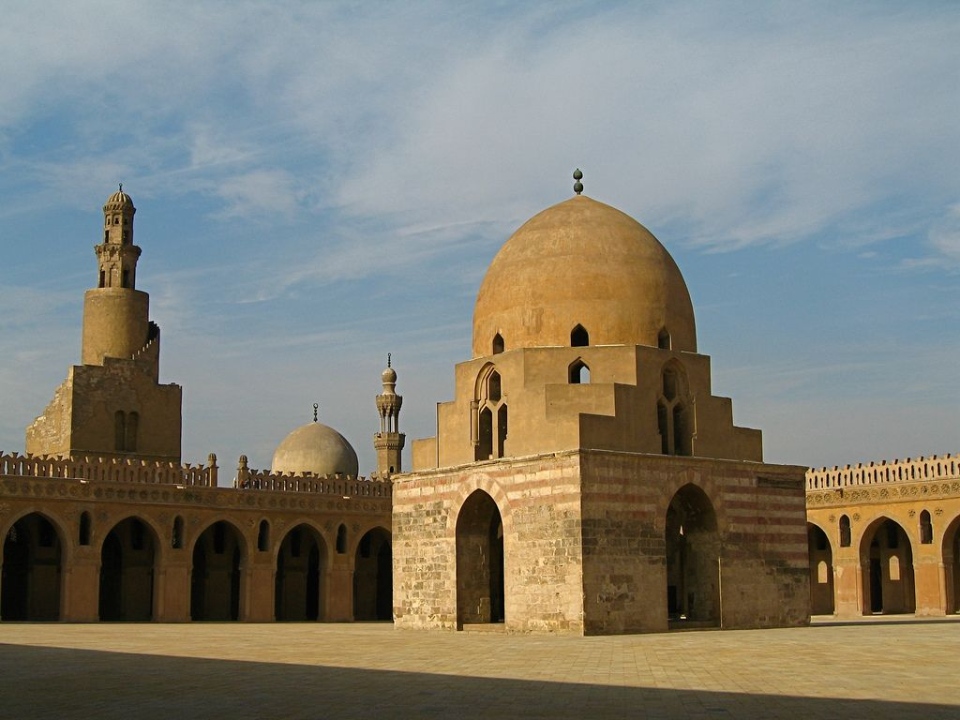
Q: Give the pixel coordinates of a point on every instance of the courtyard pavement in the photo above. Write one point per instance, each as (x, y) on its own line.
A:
(886, 668)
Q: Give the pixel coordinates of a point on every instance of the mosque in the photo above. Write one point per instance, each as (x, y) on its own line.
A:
(583, 479)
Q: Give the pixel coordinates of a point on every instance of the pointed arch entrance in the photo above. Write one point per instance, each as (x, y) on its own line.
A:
(127, 571)
(821, 571)
(215, 580)
(373, 577)
(32, 569)
(886, 561)
(301, 561)
(480, 565)
(951, 566)
(693, 560)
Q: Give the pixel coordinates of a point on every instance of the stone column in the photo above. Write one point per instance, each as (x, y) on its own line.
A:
(338, 590)
(80, 588)
(173, 592)
(260, 578)
(848, 586)
(928, 577)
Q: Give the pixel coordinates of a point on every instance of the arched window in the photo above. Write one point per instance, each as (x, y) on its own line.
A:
(133, 428)
(497, 344)
(84, 538)
(494, 390)
(501, 429)
(663, 340)
(579, 337)
(578, 373)
(488, 427)
(926, 528)
(119, 430)
(176, 538)
(675, 413)
(263, 536)
(341, 539)
(844, 531)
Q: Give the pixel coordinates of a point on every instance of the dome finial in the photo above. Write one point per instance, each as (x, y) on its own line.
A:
(577, 186)
(388, 359)
(316, 406)
(121, 187)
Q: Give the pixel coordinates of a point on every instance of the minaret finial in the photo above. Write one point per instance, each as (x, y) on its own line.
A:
(316, 406)
(121, 187)
(388, 359)
(577, 186)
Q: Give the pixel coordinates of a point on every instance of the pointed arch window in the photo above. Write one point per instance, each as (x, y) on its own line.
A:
(84, 538)
(497, 344)
(263, 536)
(489, 423)
(579, 337)
(119, 430)
(578, 373)
(176, 538)
(675, 414)
(132, 430)
(844, 531)
(926, 528)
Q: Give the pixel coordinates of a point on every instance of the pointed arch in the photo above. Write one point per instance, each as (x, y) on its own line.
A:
(127, 571)
(488, 423)
(219, 553)
(886, 561)
(33, 561)
(497, 344)
(693, 554)
(578, 373)
(675, 410)
(821, 571)
(950, 550)
(301, 564)
(263, 536)
(480, 561)
(579, 337)
(373, 576)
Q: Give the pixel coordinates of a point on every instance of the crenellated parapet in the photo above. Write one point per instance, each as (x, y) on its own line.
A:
(100, 469)
(376, 486)
(910, 470)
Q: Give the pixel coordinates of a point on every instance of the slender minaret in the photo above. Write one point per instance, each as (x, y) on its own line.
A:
(389, 441)
(116, 320)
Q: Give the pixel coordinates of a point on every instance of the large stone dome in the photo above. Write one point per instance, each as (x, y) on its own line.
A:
(315, 448)
(583, 263)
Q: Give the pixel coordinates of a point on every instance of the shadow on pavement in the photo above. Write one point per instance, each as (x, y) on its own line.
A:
(40, 682)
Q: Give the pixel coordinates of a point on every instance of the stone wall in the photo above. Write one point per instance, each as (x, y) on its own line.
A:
(537, 499)
(760, 570)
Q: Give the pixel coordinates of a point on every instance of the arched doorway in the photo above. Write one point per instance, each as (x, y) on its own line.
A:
(480, 570)
(300, 568)
(373, 577)
(32, 566)
(951, 566)
(215, 580)
(693, 560)
(127, 572)
(821, 571)
(886, 561)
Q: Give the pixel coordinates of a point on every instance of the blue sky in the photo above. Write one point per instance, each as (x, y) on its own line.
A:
(319, 184)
